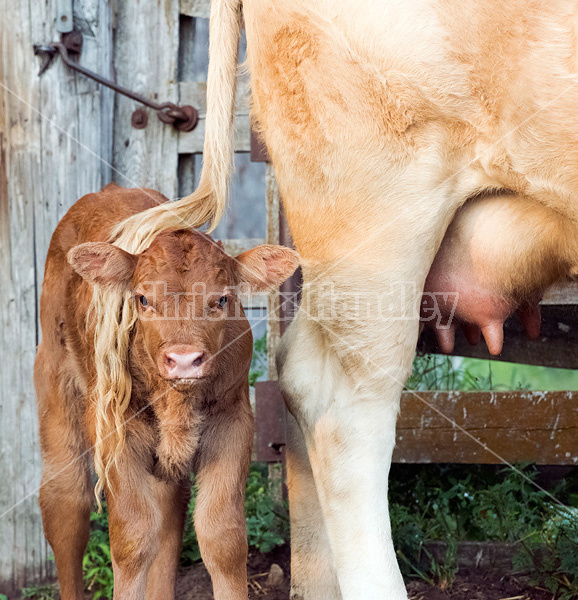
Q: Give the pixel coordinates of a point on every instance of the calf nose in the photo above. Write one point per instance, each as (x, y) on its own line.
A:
(182, 364)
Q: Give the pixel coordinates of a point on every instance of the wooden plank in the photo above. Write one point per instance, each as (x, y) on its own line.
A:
(290, 289)
(540, 427)
(270, 437)
(200, 9)
(557, 345)
(519, 409)
(195, 93)
(20, 527)
(561, 293)
(146, 61)
(192, 142)
(55, 134)
(76, 128)
(273, 326)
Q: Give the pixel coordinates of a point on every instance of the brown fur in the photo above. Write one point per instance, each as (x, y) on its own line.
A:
(170, 427)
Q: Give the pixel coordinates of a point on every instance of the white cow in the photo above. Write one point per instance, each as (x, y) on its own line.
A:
(383, 118)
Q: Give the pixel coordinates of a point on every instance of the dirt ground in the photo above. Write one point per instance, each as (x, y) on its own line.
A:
(194, 583)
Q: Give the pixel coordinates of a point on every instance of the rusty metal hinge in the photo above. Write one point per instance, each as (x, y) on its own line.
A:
(184, 118)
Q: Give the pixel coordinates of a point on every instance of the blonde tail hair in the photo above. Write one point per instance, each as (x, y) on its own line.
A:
(207, 203)
(112, 312)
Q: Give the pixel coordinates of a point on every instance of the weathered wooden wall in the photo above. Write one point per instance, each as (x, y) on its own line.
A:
(488, 428)
(55, 134)
(146, 61)
(57, 144)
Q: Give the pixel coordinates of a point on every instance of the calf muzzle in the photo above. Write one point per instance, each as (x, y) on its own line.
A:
(183, 362)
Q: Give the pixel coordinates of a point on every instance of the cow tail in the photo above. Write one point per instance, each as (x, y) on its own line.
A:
(208, 202)
(112, 312)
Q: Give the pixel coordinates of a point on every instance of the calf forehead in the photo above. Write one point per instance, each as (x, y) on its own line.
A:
(185, 257)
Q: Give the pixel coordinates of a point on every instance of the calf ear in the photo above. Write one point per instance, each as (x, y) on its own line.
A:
(103, 264)
(266, 266)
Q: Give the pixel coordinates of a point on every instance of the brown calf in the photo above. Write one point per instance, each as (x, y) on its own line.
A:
(189, 357)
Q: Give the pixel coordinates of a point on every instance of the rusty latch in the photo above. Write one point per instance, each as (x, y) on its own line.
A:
(184, 118)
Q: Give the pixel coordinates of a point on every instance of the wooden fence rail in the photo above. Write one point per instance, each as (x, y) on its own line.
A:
(457, 427)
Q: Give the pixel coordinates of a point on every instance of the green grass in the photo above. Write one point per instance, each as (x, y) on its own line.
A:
(97, 564)
(436, 372)
(454, 503)
(512, 376)
(37, 592)
(259, 359)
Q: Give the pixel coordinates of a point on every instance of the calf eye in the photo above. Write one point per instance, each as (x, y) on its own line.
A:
(222, 301)
(143, 301)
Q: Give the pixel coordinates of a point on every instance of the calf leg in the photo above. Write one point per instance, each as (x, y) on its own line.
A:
(65, 502)
(163, 573)
(66, 495)
(139, 526)
(224, 457)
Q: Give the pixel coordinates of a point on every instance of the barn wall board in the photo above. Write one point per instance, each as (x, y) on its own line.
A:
(55, 146)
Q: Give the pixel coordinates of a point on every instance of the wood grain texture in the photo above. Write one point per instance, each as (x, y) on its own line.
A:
(196, 8)
(195, 93)
(540, 427)
(146, 61)
(192, 141)
(55, 134)
(273, 326)
(460, 427)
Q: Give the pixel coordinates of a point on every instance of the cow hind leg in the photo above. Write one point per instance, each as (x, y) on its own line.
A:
(313, 575)
(349, 432)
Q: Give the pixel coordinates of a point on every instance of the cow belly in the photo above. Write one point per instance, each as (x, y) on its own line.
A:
(497, 257)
